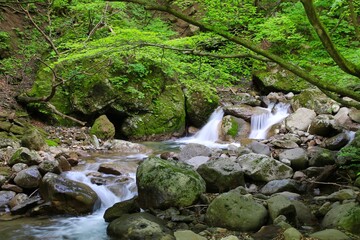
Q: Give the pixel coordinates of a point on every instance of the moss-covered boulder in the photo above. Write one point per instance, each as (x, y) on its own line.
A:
(199, 107)
(103, 128)
(278, 80)
(164, 183)
(33, 140)
(24, 155)
(234, 129)
(235, 211)
(166, 117)
(315, 100)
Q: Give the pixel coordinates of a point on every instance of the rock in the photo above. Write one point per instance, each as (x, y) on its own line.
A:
(165, 183)
(8, 142)
(354, 115)
(288, 144)
(234, 129)
(187, 235)
(263, 168)
(267, 232)
(28, 178)
(276, 186)
(103, 128)
(278, 80)
(260, 148)
(199, 108)
(221, 174)
(5, 197)
(235, 211)
(109, 168)
(345, 216)
(68, 196)
(320, 157)
(336, 142)
(33, 140)
(127, 148)
(300, 119)
(292, 234)
(12, 187)
(357, 182)
(139, 226)
(18, 167)
(121, 208)
(19, 198)
(25, 205)
(330, 234)
(49, 165)
(323, 125)
(315, 100)
(297, 157)
(280, 205)
(304, 215)
(243, 111)
(193, 150)
(341, 195)
(24, 155)
(197, 161)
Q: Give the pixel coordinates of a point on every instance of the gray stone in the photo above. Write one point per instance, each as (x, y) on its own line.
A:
(280, 205)
(25, 205)
(336, 142)
(19, 198)
(276, 186)
(243, 111)
(33, 140)
(323, 125)
(292, 234)
(341, 195)
(127, 148)
(187, 235)
(264, 168)
(24, 155)
(197, 161)
(28, 178)
(193, 150)
(300, 119)
(297, 156)
(139, 226)
(304, 215)
(235, 211)
(121, 208)
(288, 144)
(49, 165)
(320, 157)
(221, 174)
(234, 129)
(313, 99)
(260, 148)
(166, 183)
(18, 167)
(354, 114)
(5, 197)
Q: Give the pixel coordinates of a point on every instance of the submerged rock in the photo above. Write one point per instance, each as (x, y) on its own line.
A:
(165, 183)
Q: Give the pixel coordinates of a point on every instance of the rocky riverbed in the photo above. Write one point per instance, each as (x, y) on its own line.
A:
(296, 184)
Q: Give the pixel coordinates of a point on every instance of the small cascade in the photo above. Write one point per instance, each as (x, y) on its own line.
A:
(261, 123)
(209, 134)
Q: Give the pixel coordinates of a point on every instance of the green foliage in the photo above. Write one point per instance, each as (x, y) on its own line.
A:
(350, 155)
(52, 142)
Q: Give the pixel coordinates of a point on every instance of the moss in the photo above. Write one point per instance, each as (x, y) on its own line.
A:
(233, 131)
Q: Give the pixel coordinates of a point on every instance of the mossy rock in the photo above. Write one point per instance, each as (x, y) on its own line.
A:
(278, 80)
(165, 118)
(313, 99)
(103, 128)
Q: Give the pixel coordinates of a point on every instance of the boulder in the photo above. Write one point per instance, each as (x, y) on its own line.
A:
(193, 150)
(187, 235)
(297, 157)
(166, 183)
(320, 157)
(5, 197)
(354, 115)
(234, 129)
(336, 142)
(68, 196)
(28, 178)
(345, 216)
(278, 80)
(127, 148)
(121, 208)
(103, 128)
(304, 214)
(276, 186)
(139, 226)
(280, 205)
(221, 174)
(292, 234)
(243, 111)
(263, 168)
(49, 165)
(260, 148)
(33, 140)
(315, 100)
(235, 211)
(24, 155)
(300, 119)
(323, 125)
(329, 234)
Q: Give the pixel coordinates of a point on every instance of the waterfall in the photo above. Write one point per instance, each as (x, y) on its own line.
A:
(208, 135)
(261, 123)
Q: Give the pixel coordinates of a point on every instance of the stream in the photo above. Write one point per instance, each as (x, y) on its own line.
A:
(93, 227)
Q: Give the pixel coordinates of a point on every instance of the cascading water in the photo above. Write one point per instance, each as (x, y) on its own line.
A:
(209, 134)
(261, 123)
